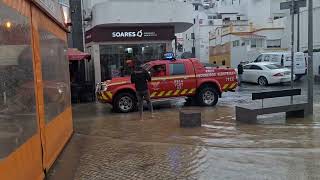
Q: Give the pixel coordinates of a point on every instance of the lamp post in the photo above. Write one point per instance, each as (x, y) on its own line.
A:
(310, 56)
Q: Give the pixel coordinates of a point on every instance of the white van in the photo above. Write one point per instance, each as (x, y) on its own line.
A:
(284, 59)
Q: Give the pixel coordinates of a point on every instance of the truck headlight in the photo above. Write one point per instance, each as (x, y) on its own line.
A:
(104, 87)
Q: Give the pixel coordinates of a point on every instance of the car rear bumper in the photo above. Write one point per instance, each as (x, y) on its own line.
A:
(281, 79)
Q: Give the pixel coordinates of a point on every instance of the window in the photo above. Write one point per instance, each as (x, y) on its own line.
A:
(259, 43)
(236, 43)
(259, 59)
(158, 70)
(267, 58)
(238, 18)
(196, 7)
(56, 88)
(255, 67)
(18, 118)
(247, 67)
(275, 58)
(276, 43)
(277, 17)
(253, 43)
(177, 69)
(273, 66)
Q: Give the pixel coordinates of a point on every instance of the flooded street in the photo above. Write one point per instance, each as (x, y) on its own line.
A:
(107, 145)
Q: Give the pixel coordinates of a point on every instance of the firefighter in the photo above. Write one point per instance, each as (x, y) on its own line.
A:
(140, 77)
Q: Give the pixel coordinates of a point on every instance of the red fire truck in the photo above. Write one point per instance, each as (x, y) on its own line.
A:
(179, 78)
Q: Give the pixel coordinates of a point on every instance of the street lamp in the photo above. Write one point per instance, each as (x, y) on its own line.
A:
(310, 56)
(8, 25)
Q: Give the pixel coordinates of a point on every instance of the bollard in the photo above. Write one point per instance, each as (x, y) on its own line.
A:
(190, 119)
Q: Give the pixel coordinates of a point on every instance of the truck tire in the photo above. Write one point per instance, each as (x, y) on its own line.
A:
(207, 96)
(125, 102)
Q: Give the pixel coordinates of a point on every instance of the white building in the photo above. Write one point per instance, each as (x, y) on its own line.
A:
(304, 32)
(196, 39)
(248, 27)
(122, 31)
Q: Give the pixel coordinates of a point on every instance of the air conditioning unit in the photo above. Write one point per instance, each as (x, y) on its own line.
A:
(210, 22)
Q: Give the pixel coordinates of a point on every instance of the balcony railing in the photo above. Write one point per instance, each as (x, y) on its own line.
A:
(235, 22)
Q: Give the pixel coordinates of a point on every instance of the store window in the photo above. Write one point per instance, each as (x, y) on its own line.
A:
(119, 60)
(18, 120)
(56, 82)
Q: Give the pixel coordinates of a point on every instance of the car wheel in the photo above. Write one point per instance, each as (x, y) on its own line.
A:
(207, 96)
(262, 81)
(124, 103)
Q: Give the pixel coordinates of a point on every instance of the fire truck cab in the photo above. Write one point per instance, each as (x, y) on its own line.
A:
(170, 79)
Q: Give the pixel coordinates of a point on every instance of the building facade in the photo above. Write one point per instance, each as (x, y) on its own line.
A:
(120, 32)
(247, 28)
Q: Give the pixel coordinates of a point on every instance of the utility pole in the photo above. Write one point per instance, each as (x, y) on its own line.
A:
(292, 43)
(298, 29)
(310, 56)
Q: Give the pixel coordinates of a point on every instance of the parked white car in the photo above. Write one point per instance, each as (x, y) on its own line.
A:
(284, 59)
(265, 73)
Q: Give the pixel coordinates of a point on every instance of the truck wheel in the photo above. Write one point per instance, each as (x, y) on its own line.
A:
(124, 103)
(207, 96)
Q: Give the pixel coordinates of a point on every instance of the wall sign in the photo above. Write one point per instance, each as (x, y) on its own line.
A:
(105, 34)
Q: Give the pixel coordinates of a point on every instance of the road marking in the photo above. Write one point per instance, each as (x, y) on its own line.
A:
(161, 93)
(176, 92)
(225, 86)
(153, 94)
(104, 96)
(184, 92)
(191, 91)
(232, 86)
(109, 94)
(169, 93)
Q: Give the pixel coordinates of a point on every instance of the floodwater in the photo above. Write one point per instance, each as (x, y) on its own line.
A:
(119, 146)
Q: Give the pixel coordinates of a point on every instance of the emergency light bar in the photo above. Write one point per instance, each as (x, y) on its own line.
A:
(169, 56)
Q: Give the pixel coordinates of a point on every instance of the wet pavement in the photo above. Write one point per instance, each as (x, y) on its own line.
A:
(106, 145)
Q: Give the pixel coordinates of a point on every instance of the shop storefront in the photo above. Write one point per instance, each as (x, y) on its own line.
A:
(120, 47)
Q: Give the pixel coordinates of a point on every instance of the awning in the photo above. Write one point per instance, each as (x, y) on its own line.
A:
(76, 55)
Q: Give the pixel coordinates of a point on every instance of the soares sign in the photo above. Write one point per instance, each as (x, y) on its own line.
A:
(103, 34)
(127, 34)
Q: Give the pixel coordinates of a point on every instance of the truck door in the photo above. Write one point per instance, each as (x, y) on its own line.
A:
(182, 79)
(159, 85)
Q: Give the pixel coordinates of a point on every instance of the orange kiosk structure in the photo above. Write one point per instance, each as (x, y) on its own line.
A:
(35, 108)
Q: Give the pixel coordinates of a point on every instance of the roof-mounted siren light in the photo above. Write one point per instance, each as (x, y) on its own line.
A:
(169, 56)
